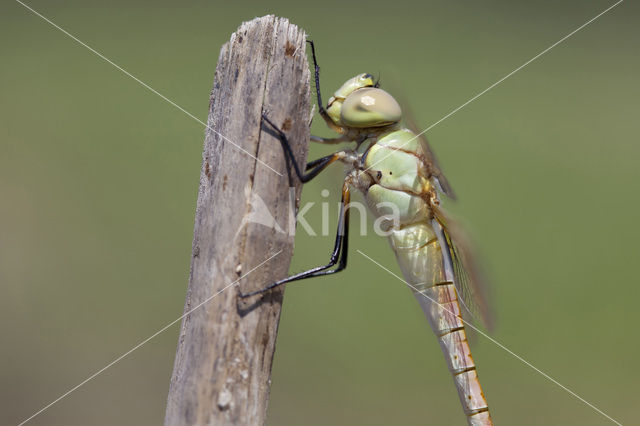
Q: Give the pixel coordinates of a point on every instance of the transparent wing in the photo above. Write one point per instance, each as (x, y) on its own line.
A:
(468, 279)
(435, 172)
(428, 270)
(432, 161)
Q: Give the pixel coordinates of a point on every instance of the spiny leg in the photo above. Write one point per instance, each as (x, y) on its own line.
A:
(317, 78)
(314, 167)
(340, 249)
(321, 110)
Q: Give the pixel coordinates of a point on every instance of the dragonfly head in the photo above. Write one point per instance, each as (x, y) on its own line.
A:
(360, 103)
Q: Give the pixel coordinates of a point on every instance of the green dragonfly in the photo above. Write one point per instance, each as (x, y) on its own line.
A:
(396, 170)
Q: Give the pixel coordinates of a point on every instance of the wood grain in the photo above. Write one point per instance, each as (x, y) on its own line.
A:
(222, 368)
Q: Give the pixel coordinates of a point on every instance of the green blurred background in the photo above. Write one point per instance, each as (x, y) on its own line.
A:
(98, 184)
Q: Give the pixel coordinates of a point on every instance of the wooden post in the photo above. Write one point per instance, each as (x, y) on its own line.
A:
(223, 363)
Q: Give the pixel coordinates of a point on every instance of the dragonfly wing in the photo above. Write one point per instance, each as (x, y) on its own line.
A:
(468, 278)
(434, 167)
(429, 271)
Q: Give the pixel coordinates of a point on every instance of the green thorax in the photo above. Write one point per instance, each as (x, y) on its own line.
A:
(396, 159)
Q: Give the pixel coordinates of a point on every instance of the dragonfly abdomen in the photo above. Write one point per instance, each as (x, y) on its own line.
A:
(402, 191)
(419, 253)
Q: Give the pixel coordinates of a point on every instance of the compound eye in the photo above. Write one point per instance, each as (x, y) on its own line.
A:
(370, 107)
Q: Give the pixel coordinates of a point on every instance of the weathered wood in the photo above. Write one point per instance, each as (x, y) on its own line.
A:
(225, 350)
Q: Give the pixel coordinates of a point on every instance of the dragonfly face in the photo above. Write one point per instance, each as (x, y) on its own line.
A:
(359, 104)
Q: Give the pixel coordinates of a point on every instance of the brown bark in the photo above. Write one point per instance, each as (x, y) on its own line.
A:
(225, 350)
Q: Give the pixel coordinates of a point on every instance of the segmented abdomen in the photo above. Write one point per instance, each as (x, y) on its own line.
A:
(403, 190)
(419, 253)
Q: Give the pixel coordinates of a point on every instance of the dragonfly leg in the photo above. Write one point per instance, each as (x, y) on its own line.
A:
(316, 67)
(338, 256)
(321, 110)
(330, 141)
(314, 167)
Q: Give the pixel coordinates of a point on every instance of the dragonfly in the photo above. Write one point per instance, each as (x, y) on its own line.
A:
(394, 167)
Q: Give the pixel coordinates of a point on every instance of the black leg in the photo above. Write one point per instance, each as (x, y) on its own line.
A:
(317, 78)
(340, 250)
(313, 167)
(318, 161)
(321, 110)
